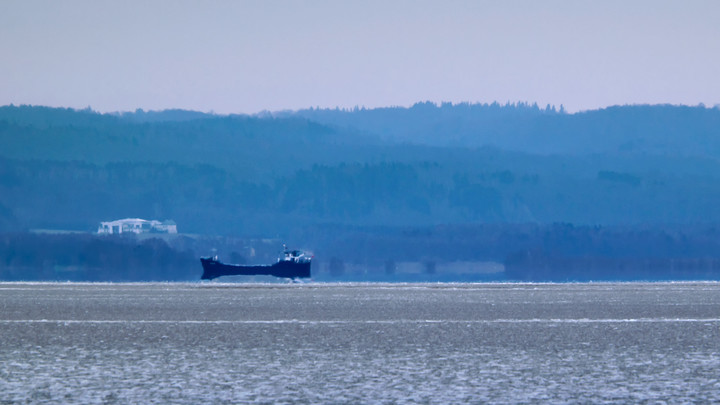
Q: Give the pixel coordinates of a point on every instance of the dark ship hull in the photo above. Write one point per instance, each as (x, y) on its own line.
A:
(213, 268)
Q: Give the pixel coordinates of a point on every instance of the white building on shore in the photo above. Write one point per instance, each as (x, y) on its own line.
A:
(137, 225)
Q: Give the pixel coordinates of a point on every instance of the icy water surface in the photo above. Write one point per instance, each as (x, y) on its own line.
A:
(359, 343)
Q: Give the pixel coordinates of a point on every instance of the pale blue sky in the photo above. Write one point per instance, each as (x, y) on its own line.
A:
(248, 56)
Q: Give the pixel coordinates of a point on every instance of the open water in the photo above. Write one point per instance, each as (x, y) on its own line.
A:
(359, 343)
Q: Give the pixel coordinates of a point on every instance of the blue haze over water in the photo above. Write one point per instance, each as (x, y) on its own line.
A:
(427, 193)
(359, 343)
(412, 193)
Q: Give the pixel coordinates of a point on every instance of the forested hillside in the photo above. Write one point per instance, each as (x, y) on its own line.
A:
(642, 129)
(330, 175)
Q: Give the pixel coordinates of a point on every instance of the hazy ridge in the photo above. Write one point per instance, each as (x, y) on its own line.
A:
(328, 178)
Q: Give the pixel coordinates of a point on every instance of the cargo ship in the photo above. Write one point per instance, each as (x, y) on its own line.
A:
(292, 264)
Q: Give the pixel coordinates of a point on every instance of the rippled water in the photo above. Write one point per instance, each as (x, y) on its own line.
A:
(359, 343)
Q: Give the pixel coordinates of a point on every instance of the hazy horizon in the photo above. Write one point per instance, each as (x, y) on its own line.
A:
(561, 108)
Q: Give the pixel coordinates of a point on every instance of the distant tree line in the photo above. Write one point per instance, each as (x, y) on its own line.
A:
(528, 252)
(82, 257)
